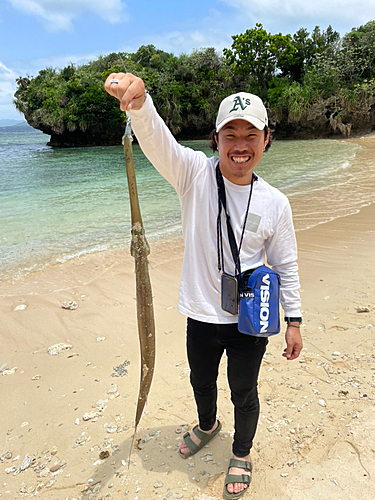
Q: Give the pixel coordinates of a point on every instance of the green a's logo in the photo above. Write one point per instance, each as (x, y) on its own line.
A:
(237, 103)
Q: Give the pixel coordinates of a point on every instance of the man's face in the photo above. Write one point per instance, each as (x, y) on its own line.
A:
(240, 147)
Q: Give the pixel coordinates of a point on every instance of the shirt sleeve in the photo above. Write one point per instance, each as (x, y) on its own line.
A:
(179, 165)
(281, 250)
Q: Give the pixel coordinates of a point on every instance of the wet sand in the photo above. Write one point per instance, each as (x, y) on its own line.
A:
(315, 436)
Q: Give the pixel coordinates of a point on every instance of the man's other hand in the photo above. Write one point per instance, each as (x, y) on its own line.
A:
(293, 343)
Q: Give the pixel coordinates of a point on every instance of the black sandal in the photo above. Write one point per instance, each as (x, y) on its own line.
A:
(203, 436)
(235, 478)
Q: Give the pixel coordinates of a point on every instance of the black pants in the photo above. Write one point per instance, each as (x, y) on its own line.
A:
(206, 343)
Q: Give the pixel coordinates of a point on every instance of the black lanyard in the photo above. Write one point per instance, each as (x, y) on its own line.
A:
(222, 202)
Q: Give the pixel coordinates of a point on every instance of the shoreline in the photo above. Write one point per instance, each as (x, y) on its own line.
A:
(331, 136)
(307, 214)
(63, 275)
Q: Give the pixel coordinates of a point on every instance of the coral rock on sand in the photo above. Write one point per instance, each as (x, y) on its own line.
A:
(361, 309)
(69, 305)
(58, 348)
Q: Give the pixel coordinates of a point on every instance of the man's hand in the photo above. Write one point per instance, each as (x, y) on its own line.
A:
(130, 90)
(293, 343)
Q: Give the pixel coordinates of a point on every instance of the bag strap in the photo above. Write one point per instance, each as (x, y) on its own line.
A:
(232, 239)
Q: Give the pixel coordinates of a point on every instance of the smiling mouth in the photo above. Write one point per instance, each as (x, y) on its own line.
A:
(240, 159)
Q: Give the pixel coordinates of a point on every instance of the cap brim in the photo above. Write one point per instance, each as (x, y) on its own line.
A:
(251, 119)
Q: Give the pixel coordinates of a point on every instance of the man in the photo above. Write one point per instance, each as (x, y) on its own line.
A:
(241, 137)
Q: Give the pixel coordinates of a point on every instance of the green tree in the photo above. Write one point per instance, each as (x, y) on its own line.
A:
(357, 57)
(291, 72)
(188, 89)
(60, 102)
(307, 46)
(259, 54)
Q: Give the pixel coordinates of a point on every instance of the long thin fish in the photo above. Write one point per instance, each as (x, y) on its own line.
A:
(145, 313)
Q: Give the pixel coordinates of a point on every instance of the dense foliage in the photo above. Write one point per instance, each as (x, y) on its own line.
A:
(292, 73)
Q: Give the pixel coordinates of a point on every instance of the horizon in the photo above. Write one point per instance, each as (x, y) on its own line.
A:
(11, 122)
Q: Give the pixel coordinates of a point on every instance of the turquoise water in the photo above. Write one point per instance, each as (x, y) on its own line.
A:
(57, 204)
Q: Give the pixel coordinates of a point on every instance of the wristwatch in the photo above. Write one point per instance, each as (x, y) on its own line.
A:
(293, 320)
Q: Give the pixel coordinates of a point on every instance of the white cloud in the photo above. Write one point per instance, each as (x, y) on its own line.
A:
(286, 16)
(7, 84)
(215, 30)
(289, 15)
(58, 15)
(7, 89)
(179, 42)
(32, 67)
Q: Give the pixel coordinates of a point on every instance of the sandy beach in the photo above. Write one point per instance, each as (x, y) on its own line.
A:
(60, 412)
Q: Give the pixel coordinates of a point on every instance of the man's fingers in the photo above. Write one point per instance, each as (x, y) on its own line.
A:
(127, 88)
(128, 95)
(288, 352)
(290, 355)
(134, 94)
(110, 86)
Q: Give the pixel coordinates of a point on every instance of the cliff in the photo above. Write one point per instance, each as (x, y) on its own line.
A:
(325, 119)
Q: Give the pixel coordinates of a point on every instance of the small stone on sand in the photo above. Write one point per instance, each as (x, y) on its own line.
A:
(71, 305)
(58, 348)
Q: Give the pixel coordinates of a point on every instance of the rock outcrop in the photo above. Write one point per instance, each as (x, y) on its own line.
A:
(325, 119)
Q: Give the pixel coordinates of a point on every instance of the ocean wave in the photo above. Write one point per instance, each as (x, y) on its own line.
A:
(81, 253)
(311, 224)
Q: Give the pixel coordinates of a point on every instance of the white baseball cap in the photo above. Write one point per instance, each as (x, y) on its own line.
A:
(242, 106)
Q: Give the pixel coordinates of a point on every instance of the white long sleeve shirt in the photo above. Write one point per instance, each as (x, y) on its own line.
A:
(269, 230)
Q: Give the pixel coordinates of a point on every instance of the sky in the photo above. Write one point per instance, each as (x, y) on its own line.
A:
(35, 34)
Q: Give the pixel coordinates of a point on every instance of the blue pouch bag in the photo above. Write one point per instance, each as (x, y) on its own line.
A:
(259, 294)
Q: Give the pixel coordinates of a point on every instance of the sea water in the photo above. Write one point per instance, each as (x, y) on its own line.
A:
(57, 204)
